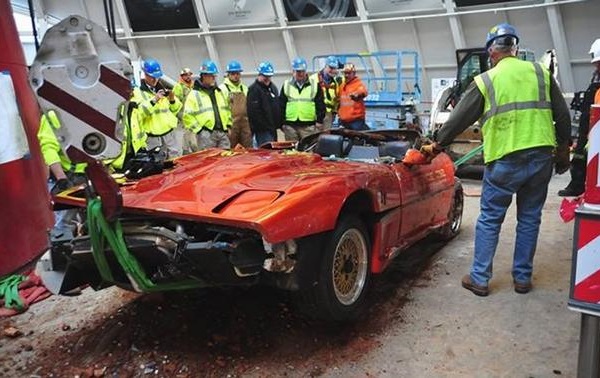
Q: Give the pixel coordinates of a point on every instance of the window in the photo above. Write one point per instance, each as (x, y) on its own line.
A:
(302, 10)
(466, 3)
(152, 15)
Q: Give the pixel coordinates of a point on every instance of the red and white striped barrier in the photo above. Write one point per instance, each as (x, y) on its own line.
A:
(585, 281)
(592, 180)
(586, 278)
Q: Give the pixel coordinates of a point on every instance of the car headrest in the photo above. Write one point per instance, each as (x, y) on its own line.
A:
(329, 144)
(395, 149)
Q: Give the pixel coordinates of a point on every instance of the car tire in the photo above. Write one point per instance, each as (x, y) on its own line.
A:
(344, 275)
(455, 215)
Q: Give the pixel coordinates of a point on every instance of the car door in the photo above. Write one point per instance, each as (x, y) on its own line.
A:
(426, 193)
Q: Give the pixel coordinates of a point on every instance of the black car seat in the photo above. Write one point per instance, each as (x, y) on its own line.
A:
(330, 144)
(395, 149)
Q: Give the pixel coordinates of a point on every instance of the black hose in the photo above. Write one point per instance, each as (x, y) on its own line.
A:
(106, 16)
(112, 20)
(32, 16)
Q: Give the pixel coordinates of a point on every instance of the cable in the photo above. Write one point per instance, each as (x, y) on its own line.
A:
(32, 16)
(112, 21)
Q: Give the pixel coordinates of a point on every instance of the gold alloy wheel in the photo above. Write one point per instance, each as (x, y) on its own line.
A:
(350, 264)
(457, 212)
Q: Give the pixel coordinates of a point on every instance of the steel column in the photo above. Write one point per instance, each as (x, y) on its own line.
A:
(455, 26)
(131, 45)
(557, 30)
(211, 45)
(588, 364)
(288, 37)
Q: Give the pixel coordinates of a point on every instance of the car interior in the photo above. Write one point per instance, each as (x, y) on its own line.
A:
(361, 146)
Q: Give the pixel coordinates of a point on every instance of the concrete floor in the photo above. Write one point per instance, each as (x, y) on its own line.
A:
(449, 332)
(422, 324)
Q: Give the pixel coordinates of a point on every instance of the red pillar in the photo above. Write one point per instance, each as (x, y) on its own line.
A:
(25, 213)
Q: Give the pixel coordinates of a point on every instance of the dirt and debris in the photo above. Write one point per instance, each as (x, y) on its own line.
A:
(419, 323)
(218, 332)
(12, 332)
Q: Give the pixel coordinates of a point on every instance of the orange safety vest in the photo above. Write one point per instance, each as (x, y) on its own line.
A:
(351, 110)
(597, 97)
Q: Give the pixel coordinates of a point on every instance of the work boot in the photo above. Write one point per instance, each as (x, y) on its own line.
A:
(571, 190)
(576, 186)
(482, 291)
(523, 287)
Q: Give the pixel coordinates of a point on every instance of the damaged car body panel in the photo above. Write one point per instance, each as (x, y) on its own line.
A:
(304, 220)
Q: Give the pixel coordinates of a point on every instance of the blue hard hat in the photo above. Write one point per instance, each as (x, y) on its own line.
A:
(299, 64)
(209, 67)
(503, 34)
(151, 68)
(234, 66)
(332, 61)
(266, 69)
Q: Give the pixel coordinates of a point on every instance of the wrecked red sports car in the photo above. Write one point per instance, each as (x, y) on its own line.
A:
(318, 220)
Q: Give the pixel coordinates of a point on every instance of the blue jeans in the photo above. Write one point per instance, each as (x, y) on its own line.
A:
(357, 125)
(526, 173)
(64, 220)
(264, 136)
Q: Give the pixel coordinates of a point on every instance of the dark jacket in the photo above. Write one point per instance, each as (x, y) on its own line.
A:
(319, 106)
(264, 112)
(584, 119)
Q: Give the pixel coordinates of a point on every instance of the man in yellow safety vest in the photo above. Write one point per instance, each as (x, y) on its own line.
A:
(206, 110)
(524, 119)
(302, 105)
(63, 172)
(330, 83)
(158, 108)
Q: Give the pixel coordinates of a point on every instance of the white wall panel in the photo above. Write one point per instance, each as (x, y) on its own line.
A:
(237, 47)
(269, 46)
(237, 13)
(431, 34)
(329, 40)
(394, 35)
(582, 27)
(190, 51)
(349, 38)
(92, 9)
(533, 28)
(476, 26)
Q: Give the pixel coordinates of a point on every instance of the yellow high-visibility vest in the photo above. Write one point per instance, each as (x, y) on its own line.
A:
(301, 105)
(133, 138)
(156, 119)
(517, 110)
(198, 111)
(52, 150)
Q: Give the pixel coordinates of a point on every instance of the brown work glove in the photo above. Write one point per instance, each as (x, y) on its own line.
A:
(562, 158)
(431, 150)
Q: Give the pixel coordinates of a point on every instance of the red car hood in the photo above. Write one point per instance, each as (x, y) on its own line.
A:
(253, 187)
(208, 178)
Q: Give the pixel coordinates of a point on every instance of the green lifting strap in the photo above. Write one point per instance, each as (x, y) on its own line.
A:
(468, 156)
(9, 290)
(102, 231)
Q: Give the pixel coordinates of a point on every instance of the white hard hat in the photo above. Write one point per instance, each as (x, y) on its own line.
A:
(595, 51)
